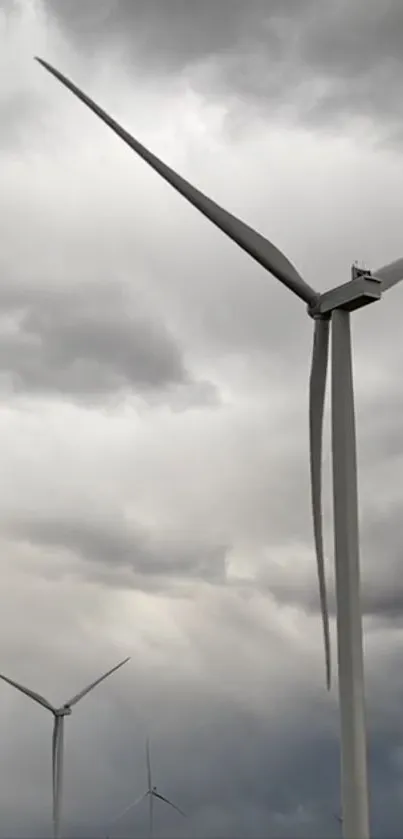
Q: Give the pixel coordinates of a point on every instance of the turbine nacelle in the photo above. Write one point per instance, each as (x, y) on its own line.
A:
(361, 290)
(64, 711)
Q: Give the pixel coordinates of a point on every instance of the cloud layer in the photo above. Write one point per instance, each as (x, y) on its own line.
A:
(155, 493)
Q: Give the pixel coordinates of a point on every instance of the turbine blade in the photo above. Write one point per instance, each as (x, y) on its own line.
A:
(257, 246)
(128, 808)
(390, 274)
(167, 801)
(93, 685)
(149, 782)
(57, 770)
(317, 390)
(31, 693)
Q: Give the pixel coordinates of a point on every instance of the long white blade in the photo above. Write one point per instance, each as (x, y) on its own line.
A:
(57, 772)
(167, 801)
(32, 695)
(317, 390)
(257, 246)
(93, 685)
(128, 808)
(149, 781)
(390, 274)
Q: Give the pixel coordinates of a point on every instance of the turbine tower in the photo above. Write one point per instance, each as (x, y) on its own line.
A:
(58, 735)
(331, 309)
(152, 794)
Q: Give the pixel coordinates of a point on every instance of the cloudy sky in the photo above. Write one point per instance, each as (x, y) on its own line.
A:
(154, 496)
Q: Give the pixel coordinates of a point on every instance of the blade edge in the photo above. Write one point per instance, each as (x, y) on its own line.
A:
(256, 245)
(317, 392)
(148, 759)
(167, 801)
(36, 697)
(390, 275)
(95, 684)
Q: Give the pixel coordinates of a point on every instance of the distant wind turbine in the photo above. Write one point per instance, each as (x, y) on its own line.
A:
(339, 819)
(331, 309)
(151, 793)
(58, 735)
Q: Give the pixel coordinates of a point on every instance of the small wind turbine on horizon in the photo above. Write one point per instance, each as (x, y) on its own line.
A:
(151, 793)
(330, 310)
(339, 819)
(58, 735)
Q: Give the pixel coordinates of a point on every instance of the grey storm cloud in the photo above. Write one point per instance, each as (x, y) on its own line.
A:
(17, 112)
(173, 36)
(250, 776)
(381, 560)
(320, 63)
(222, 733)
(120, 553)
(87, 344)
(183, 537)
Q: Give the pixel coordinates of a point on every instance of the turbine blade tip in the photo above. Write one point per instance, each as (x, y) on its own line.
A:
(44, 64)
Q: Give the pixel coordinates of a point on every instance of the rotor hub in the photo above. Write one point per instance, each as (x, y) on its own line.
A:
(64, 711)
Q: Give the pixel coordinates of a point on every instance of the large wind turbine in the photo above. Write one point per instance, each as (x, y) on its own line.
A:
(58, 735)
(151, 793)
(331, 308)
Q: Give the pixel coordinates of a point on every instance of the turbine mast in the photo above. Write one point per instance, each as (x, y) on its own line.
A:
(354, 780)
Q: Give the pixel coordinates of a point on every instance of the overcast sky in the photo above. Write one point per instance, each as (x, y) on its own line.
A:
(154, 495)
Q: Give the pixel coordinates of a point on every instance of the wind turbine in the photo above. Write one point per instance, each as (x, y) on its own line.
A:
(339, 819)
(58, 735)
(151, 793)
(331, 308)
